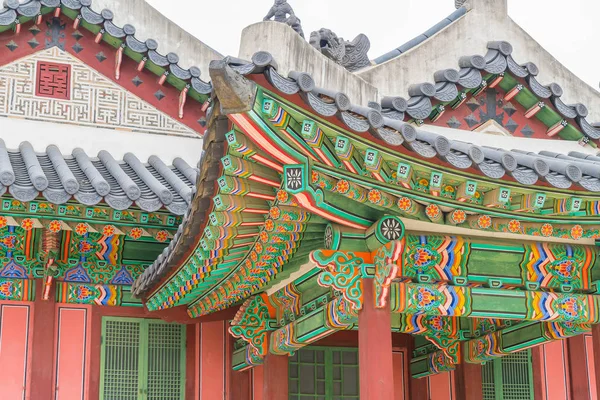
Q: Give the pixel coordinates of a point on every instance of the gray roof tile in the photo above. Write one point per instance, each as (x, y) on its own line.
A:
(120, 184)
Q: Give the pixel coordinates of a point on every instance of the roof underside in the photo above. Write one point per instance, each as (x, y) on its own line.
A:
(395, 123)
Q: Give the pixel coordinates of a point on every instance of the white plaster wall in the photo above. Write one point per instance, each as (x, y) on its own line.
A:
(486, 21)
(67, 137)
(292, 53)
(150, 23)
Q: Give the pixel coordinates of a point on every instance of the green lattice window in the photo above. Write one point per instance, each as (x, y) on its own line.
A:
(324, 373)
(142, 359)
(509, 377)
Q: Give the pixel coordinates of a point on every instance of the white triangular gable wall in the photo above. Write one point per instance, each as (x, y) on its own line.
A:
(95, 100)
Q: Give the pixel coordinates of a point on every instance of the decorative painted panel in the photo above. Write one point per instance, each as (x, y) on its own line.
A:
(91, 100)
(53, 80)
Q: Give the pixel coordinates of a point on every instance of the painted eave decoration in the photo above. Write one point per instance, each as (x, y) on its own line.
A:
(291, 157)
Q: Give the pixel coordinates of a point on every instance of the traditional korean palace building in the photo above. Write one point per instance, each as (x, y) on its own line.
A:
(299, 222)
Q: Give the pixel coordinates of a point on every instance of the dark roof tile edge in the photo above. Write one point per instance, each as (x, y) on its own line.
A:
(422, 37)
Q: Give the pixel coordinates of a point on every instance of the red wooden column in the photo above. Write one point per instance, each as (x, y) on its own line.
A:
(212, 370)
(578, 369)
(239, 381)
(42, 348)
(376, 366)
(468, 381)
(275, 377)
(257, 374)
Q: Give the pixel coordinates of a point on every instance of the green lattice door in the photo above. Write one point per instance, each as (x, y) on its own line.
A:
(324, 373)
(142, 359)
(509, 377)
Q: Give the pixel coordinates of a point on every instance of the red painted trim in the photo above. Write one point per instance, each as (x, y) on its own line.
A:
(42, 345)
(376, 367)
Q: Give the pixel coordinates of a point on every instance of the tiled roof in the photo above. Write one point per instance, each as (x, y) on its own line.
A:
(384, 120)
(26, 174)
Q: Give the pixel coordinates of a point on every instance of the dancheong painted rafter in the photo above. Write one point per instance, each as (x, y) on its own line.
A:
(291, 179)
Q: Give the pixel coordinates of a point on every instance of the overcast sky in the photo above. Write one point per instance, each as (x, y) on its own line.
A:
(567, 29)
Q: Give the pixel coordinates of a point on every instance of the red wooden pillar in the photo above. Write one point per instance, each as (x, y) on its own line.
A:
(239, 381)
(42, 348)
(275, 377)
(213, 350)
(257, 374)
(578, 368)
(376, 366)
(468, 381)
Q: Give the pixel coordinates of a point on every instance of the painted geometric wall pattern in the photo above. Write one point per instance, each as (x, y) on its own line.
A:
(95, 100)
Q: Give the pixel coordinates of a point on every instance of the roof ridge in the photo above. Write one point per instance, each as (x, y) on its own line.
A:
(454, 16)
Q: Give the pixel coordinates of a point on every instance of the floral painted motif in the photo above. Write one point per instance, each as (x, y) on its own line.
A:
(81, 229)
(264, 237)
(314, 176)
(514, 226)
(374, 196)
(3, 222)
(404, 203)
(108, 230)
(433, 211)
(426, 299)
(342, 186)
(274, 212)
(282, 196)
(162, 236)
(269, 225)
(54, 226)
(576, 232)
(546, 230)
(484, 221)
(136, 233)
(458, 216)
(27, 224)
(570, 308)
